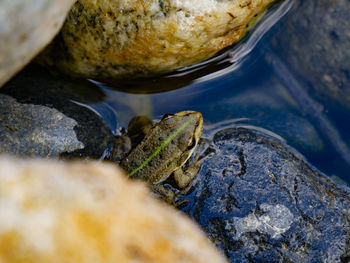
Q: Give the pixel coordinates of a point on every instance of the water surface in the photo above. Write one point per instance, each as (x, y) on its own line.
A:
(254, 81)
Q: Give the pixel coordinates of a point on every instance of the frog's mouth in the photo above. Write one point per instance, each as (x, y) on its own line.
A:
(199, 127)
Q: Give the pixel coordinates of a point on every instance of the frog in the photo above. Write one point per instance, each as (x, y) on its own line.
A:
(163, 151)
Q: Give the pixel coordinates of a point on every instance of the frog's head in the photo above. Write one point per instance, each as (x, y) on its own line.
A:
(186, 129)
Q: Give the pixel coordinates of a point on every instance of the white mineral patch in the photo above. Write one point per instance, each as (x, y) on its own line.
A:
(274, 221)
(199, 6)
(196, 6)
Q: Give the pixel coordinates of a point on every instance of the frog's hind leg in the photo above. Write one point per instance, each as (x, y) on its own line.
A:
(121, 147)
(184, 177)
(164, 192)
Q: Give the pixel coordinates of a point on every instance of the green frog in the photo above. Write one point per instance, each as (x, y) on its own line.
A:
(165, 148)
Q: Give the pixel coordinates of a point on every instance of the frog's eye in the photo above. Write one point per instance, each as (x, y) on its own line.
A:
(166, 115)
(191, 144)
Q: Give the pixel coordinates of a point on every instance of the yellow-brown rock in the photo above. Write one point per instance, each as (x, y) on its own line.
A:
(88, 212)
(142, 38)
(25, 28)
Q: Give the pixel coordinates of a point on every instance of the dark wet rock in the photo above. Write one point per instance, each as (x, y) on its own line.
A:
(56, 103)
(315, 38)
(33, 130)
(260, 201)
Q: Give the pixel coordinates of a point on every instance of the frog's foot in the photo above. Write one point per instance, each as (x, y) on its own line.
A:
(164, 192)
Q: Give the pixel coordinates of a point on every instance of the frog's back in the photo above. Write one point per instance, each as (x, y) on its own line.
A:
(166, 147)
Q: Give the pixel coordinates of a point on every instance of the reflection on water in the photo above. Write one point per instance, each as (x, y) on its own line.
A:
(308, 106)
(253, 81)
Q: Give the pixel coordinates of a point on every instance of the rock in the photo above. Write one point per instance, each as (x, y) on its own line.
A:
(260, 201)
(33, 130)
(315, 38)
(124, 39)
(25, 28)
(46, 115)
(87, 212)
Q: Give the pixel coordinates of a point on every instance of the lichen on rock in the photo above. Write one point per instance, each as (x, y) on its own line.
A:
(129, 39)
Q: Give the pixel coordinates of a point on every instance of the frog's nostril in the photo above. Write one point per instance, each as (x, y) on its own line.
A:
(197, 115)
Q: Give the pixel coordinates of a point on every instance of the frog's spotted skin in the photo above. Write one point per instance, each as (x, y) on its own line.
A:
(166, 147)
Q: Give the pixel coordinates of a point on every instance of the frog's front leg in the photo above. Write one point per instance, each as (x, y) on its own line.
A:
(182, 178)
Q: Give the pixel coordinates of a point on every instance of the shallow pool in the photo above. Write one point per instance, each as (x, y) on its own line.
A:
(289, 78)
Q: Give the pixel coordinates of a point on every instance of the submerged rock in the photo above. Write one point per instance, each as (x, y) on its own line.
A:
(129, 39)
(25, 28)
(275, 113)
(88, 212)
(315, 38)
(260, 201)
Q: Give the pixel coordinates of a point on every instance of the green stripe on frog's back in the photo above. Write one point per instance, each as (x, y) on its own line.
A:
(162, 146)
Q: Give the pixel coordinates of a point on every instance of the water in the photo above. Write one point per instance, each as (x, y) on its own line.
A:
(256, 82)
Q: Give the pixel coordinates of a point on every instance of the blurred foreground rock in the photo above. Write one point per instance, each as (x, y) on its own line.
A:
(25, 28)
(87, 212)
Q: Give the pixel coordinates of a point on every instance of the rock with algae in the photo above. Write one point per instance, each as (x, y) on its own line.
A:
(123, 38)
(88, 212)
